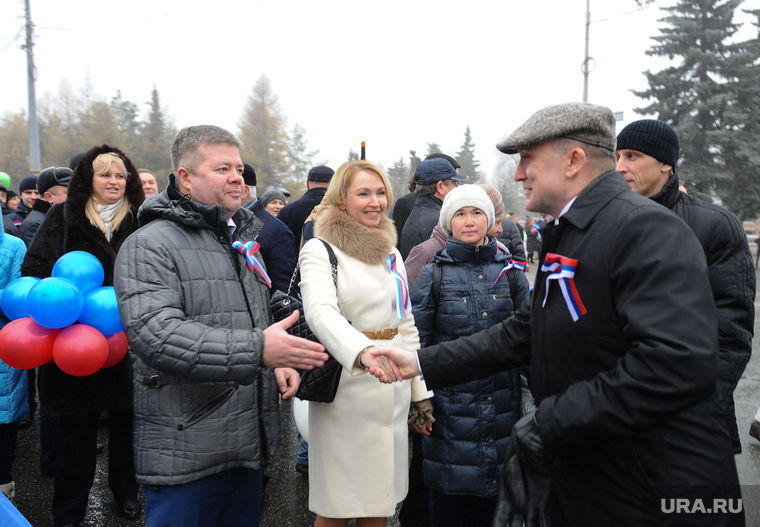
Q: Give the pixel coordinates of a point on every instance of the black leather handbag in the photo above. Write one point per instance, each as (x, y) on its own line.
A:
(319, 384)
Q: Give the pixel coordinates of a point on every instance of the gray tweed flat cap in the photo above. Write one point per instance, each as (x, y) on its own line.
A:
(584, 122)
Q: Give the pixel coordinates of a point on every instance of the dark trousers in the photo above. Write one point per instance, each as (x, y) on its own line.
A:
(49, 436)
(7, 449)
(76, 459)
(230, 498)
(414, 510)
(447, 510)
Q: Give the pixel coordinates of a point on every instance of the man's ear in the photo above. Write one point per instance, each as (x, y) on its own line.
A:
(576, 161)
(183, 180)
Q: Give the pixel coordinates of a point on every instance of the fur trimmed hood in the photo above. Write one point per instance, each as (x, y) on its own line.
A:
(367, 244)
(80, 186)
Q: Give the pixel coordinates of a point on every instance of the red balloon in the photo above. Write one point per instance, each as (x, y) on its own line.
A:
(80, 350)
(24, 344)
(117, 348)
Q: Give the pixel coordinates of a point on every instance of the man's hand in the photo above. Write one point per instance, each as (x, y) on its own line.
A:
(282, 350)
(406, 362)
(526, 478)
(288, 381)
(380, 366)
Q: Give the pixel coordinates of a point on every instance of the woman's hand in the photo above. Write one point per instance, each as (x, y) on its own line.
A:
(380, 366)
(288, 381)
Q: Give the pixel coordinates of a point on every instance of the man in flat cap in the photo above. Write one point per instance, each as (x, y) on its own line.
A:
(647, 154)
(621, 331)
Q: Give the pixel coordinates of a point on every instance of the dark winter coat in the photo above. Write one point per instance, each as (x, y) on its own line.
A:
(20, 214)
(732, 279)
(277, 249)
(512, 238)
(466, 449)
(33, 220)
(419, 225)
(626, 395)
(204, 402)
(66, 229)
(401, 210)
(294, 214)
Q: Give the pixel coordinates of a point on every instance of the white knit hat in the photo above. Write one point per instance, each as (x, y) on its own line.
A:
(465, 196)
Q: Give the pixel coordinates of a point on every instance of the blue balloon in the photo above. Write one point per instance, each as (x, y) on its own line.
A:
(82, 268)
(55, 302)
(101, 311)
(14, 297)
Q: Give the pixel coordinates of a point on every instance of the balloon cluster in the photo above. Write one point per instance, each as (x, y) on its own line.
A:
(68, 318)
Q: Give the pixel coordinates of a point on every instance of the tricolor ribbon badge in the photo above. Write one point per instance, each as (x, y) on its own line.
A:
(402, 290)
(511, 264)
(562, 269)
(248, 249)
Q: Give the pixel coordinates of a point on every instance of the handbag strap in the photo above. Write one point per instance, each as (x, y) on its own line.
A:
(333, 267)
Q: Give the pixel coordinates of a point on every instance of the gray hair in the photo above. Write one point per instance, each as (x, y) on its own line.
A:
(185, 152)
(425, 190)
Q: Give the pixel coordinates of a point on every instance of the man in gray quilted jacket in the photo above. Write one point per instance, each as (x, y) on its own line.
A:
(208, 367)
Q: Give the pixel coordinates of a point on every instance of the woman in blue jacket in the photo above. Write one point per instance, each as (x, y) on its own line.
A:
(470, 286)
(13, 382)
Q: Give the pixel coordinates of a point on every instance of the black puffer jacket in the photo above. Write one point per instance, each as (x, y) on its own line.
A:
(204, 402)
(65, 229)
(465, 451)
(732, 279)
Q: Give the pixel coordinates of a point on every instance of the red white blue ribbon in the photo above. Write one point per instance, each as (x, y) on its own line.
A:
(248, 249)
(402, 290)
(562, 269)
(511, 264)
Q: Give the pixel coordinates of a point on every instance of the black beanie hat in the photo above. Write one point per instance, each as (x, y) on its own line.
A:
(249, 175)
(321, 174)
(28, 183)
(653, 138)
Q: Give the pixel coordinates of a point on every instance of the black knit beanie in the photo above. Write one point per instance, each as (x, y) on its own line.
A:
(653, 138)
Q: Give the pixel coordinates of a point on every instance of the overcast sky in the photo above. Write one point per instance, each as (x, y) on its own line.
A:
(396, 74)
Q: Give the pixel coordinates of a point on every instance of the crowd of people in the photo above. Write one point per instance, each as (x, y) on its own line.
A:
(464, 394)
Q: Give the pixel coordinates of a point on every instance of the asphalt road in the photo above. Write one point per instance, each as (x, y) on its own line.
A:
(286, 494)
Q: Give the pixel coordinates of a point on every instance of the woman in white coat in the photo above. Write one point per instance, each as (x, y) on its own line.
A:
(358, 447)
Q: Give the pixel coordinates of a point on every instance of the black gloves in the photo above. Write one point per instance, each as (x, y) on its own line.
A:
(525, 481)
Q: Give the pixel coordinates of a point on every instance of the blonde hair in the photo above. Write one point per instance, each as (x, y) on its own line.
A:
(100, 165)
(341, 180)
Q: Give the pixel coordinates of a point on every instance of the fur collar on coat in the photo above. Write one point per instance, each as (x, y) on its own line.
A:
(367, 244)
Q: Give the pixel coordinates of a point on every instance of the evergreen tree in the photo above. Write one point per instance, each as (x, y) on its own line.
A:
(695, 95)
(742, 156)
(433, 148)
(512, 193)
(125, 114)
(299, 155)
(398, 174)
(156, 136)
(466, 158)
(262, 131)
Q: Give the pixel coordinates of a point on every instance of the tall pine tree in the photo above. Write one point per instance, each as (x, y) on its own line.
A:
(264, 137)
(466, 158)
(696, 94)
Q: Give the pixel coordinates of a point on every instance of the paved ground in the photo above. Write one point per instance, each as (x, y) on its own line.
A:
(286, 497)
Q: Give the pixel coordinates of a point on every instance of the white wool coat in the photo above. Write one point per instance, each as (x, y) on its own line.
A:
(358, 450)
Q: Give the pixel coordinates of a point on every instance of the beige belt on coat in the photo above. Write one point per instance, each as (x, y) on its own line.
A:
(382, 334)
